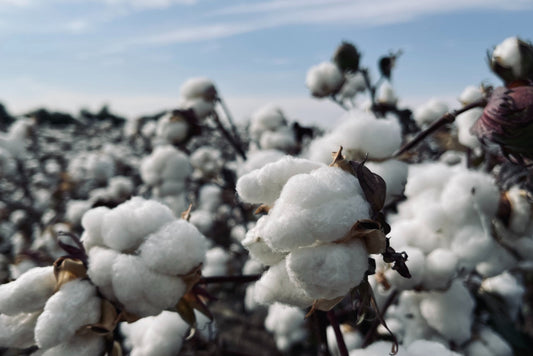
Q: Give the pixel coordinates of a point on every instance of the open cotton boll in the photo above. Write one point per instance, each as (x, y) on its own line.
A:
(100, 167)
(92, 225)
(172, 129)
(470, 193)
(464, 122)
(216, 262)
(440, 268)
(507, 54)
(199, 87)
(101, 261)
(394, 173)
(264, 185)
(414, 232)
(352, 338)
(76, 209)
(160, 335)
(143, 291)
(210, 197)
(120, 187)
(176, 248)
(320, 206)
(287, 323)
(427, 176)
(328, 271)
(386, 94)
(29, 292)
(416, 264)
(488, 343)
(79, 345)
(450, 312)
(276, 286)
(258, 159)
(470, 94)
(360, 133)
(207, 160)
(203, 220)
(281, 139)
(267, 118)
(17, 330)
(520, 210)
(73, 306)
(324, 79)
(165, 163)
(472, 245)
(126, 226)
(427, 347)
(430, 111)
(258, 248)
(509, 288)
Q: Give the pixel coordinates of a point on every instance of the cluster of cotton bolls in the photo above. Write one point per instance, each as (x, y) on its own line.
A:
(37, 310)
(207, 162)
(139, 253)
(310, 207)
(269, 129)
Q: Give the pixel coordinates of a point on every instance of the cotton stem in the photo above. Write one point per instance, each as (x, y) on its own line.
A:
(338, 333)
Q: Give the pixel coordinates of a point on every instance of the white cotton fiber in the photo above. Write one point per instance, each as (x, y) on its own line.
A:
(415, 263)
(470, 94)
(73, 306)
(258, 159)
(386, 94)
(101, 262)
(440, 268)
(143, 291)
(166, 163)
(509, 288)
(470, 193)
(287, 323)
(355, 83)
(79, 345)
(427, 176)
(276, 286)
(282, 139)
(29, 292)
(352, 338)
(126, 226)
(450, 312)
(172, 129)
(216, 262)
(92, 225)
(394, 173)
(264, 185)
(360, 133)
(464, 122)
(210, 197)
(160, 335)
(520, 210)
(488, 343)
(176, 248)
(472, 245)
(207, 160)
(267, 118)
(379, 348)
(324, 79)
(198, 87)
(17, 331)
(320, 206)
(258, 248)
(427, 347)
(328, 271)
(430, 111)
(507, 54)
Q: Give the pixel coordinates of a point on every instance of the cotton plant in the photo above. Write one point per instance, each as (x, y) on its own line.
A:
(269, 129)
(313, 235)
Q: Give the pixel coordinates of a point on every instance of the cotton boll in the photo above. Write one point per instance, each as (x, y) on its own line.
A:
(413, 232)
(508, 287)
(126, 226)
(464, 122)
(17, 330)
(470, 193)
(472, 245)
(281, 139)
(440, 268)
(450, 312)
(320, 206)
(210, 197)
(160, 335)
(386, 95)
(172, 129)
(355, 83)
(203, 220)
(470, 94)
(520, 210)
(74, 305)
(76, 209)
(176, 248)
(195, 88)
(489, 344)
(276, 286)
(507, 54)
(258, 159)
(328, 271)
(427, 176)
(79, 345)
(267, 118)
(287, 324)
(92, 224)
(165, 164)
(497, 261)
(352, 338)
(101, 262)
(216, 262)
(394, 173)
(258, 248)
(415, 263)
(141, 290)
(120, 187)
(264, 185)
(29, 292)
(426, 347)
(100, 166)
(324, 79)
(207, 161)
(430, 112)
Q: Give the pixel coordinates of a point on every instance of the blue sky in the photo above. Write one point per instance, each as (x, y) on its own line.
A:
(135, 54)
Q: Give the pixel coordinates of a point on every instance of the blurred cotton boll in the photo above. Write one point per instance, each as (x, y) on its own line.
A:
(287, 325)
(324, 79)
(429, 112)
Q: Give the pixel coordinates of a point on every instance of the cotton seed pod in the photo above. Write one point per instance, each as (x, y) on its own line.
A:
(507, 121)
(347, 57)
(512, 61)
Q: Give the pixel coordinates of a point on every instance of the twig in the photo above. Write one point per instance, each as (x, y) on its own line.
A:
(319, 323)
(338, 333)
(229, 117)
(371, 89)
(380, 318)
(338, 102)
(447, 118)
(228, 136)
(230, 279)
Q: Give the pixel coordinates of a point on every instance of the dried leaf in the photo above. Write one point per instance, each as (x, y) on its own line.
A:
(67, 269)
(109, 319)
(186, 215)
(370, 232)
(374, 187)
(262, 209)
(186, 311)
(324, 305)
(192, 277)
